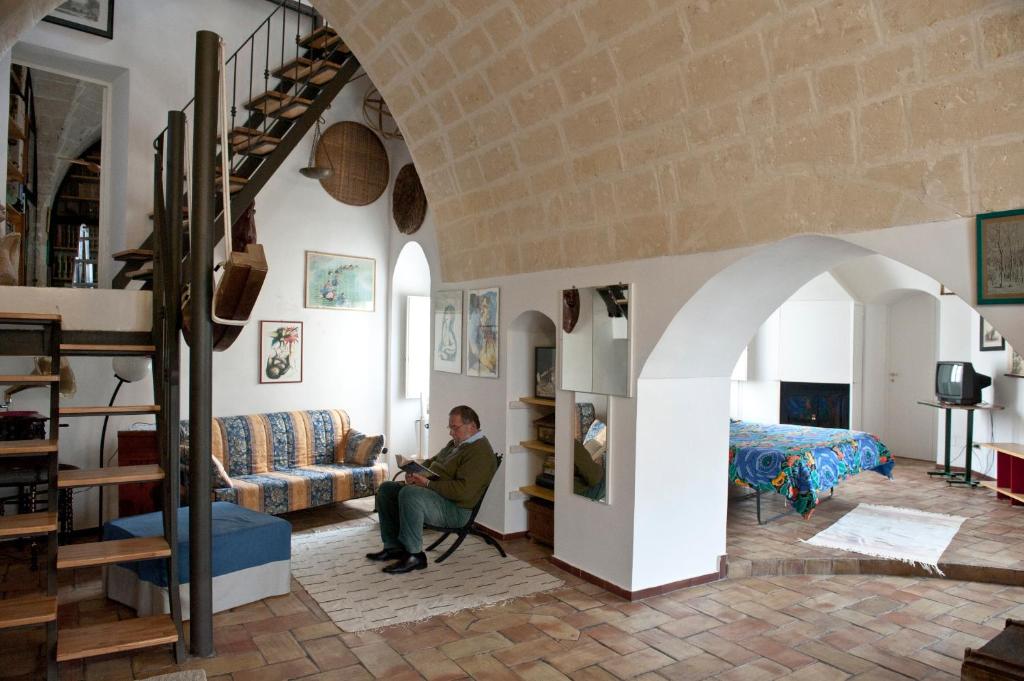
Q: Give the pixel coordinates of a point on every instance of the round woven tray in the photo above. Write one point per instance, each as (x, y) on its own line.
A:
(360, 163)
(408, 202)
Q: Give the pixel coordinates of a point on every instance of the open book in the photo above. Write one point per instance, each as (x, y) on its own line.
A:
(413, 466)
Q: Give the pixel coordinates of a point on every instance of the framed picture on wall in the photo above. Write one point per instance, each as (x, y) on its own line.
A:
(280, 352)
(339, 282)
(448, 331)
(482, 333)
(1016, 363)
(90, 16)
(544, 373)
(1000, 251)
(989, 339)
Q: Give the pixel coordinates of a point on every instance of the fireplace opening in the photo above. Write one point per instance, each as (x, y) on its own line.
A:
(824, 405)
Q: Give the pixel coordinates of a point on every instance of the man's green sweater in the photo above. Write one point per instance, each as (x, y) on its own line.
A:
(465, 471)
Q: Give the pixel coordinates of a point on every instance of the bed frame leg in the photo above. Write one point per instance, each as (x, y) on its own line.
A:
(757, 498)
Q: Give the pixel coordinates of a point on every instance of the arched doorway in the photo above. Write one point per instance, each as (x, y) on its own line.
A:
(409, 352)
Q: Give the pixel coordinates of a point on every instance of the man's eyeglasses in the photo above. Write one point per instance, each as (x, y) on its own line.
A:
(453, 427)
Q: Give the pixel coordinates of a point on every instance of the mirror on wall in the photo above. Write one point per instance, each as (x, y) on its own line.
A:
(590, 447)
(595, 339)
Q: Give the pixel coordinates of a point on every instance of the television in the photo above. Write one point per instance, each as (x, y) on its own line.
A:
(959, 383)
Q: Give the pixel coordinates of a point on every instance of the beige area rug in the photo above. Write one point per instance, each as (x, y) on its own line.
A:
(333, 568)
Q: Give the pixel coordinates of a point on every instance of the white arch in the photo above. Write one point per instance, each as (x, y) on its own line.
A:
(683, 389)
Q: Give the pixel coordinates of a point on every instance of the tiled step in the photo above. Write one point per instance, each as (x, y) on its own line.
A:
(280, 105)
(143, 272)
(25, 610)
(27, 447)
(28, 379)
(114, 475)
(105, 350)
(25, 524)
(115, 637)
(321, 39)
(109, 552)
(134, 255)
(252, 142)
(111, 411)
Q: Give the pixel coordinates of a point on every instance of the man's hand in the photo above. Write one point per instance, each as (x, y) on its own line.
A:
(417, 480)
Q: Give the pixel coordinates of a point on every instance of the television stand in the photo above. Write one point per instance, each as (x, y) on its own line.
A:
(956, 478)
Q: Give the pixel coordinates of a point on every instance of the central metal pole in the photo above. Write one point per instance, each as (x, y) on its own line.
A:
(204, 146)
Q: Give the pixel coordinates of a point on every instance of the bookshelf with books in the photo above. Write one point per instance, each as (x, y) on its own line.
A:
(20, 130)
(76, 205)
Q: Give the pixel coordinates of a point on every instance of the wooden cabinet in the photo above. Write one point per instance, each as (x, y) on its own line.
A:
(540, 520)
(137, 447)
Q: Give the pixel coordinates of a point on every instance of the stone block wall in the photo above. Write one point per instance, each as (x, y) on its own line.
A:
(557, 133)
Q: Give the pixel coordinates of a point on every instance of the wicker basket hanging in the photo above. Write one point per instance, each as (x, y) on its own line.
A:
(408, 202)
(360, 163)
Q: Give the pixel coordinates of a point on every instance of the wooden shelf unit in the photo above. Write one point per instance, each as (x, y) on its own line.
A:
(537, 446)
(539, 492)
(1009, 482)
(538, 401)
(76, 203)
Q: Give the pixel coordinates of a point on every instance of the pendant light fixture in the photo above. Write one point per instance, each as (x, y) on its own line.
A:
(312, 170)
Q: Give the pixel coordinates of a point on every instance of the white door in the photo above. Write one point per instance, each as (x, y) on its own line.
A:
(913, 341)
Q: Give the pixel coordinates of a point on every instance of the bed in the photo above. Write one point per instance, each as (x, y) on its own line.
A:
(801, 462)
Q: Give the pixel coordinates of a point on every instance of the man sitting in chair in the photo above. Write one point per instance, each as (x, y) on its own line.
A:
(465, 466)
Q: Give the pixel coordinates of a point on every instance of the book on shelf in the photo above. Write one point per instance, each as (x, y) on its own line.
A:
(415, 467)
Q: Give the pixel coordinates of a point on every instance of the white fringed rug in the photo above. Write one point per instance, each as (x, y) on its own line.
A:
(905, 534)
(333, 568)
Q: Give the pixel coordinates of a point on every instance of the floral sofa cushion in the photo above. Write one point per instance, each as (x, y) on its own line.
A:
(287, 461)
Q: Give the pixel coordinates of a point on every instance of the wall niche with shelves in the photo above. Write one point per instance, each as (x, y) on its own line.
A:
(530, 432)
(76, 204)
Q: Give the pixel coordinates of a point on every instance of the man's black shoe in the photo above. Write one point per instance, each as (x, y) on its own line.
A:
(388, 554)
(414, 561)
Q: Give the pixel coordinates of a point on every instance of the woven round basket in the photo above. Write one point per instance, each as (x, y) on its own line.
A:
(408, 202)
(359, 160)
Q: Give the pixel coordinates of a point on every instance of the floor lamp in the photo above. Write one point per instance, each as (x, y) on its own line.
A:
(126, 370)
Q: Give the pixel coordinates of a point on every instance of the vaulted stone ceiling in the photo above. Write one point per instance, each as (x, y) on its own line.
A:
(558, 133)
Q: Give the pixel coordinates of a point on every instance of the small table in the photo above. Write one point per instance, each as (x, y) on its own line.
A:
(965, 477)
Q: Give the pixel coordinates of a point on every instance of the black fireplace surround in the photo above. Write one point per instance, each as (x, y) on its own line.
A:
(825, 405)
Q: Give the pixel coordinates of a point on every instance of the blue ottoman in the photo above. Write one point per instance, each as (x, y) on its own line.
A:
(251, 553)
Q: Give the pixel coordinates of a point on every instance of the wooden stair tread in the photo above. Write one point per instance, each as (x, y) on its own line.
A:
(115, 637)
(117, 410)
(105, 349)
(27, 447)
(13, 129)
(321, 38)
(235, 183)
(28, 317)
(323, 71)
(25, 524)
(143, 271)
(133, 254)
(114, 475)
(294, 69)
(26, 610)
(273, 103)
(257, 146)
(28, 378)
(107, 552)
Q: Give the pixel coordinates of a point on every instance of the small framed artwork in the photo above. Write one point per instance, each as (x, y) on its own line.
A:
(482, 333)
(448, 331)
(1016, 367)
(544, 373)
(1000, 251)
(280, 352)
(340, 282)
(989, 338)
(90, 16)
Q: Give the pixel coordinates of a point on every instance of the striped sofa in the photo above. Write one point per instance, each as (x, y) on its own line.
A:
(290, 460)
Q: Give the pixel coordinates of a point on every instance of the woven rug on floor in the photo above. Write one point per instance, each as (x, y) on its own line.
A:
(194, 675)
(904, 534)
(333, 568)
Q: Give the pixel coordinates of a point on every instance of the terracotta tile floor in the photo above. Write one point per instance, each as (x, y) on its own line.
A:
(803, 626)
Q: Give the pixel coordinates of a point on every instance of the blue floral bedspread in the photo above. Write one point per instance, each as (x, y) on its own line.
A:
(800, 461)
